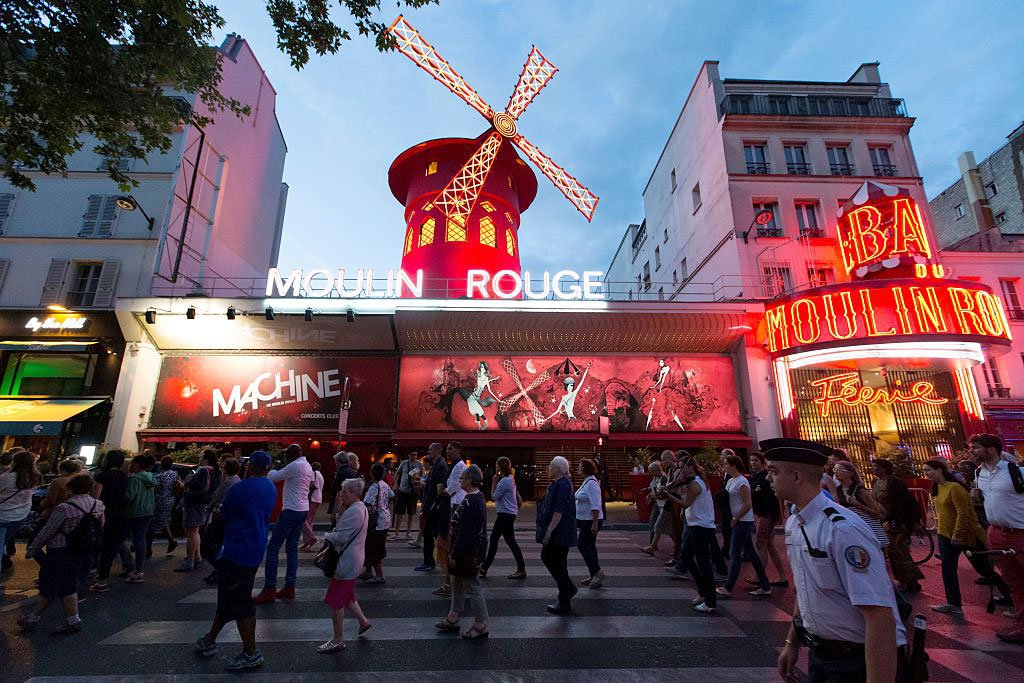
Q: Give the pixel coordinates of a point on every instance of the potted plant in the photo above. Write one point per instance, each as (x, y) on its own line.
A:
(709, 457)
(906, 468)
(640, 479)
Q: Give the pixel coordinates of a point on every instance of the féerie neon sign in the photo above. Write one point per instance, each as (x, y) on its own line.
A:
(845, 389)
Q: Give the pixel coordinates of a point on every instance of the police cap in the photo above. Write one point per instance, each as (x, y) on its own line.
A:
(796, 450)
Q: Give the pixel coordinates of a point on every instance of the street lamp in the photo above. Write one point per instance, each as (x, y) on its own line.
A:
(129, 203)
(762, 218)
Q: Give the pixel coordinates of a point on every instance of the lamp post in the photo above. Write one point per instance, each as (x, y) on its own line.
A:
(129, 203)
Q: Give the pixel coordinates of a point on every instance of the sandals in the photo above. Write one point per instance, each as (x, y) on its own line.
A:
(646, 550)
(445, 626)
(365, 627)
(475, 633)
(330, 647)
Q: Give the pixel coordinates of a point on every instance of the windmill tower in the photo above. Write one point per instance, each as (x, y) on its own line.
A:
(463, 198)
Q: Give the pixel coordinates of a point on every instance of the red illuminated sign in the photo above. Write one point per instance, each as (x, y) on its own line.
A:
(854, 311)
(879, 225)
(846, 389)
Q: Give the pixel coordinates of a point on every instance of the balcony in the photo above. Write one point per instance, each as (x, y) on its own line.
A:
(758, 168)
(812, 232)
(884, 170)
(1015, 313)
(798, 169)
(998, 391)
(841, 169)
(769, 232)
(798, 105)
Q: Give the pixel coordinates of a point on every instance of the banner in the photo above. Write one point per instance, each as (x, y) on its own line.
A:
(274, 391)
(568, 394)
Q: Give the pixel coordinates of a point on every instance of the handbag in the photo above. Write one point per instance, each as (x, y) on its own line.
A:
(327, 558)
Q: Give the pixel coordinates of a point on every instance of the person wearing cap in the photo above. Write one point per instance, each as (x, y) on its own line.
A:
(246, 512)
(846, 608)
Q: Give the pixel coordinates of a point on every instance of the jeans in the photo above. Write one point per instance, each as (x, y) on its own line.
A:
(950, 564)
(556, 559)
(287, 531)
(741, 546)
(8, 530)
(504, 527)
(428, 541)
(137, 528)
(695, 557)
(463, 588)
(586, 540)
(114, 533)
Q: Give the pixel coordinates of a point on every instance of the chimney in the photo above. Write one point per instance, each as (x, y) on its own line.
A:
(975, 192)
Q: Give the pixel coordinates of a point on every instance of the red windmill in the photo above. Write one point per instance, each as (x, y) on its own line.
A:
(463, 198)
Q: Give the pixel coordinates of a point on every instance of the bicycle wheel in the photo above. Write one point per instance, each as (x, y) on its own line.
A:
(922, 546)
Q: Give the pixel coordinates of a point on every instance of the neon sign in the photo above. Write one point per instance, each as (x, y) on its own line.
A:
(57, 323)
(846, 389)
(884, 226)
(854, 311)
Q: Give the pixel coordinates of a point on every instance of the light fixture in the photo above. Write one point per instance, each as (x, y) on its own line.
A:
(231, 312)
(269, 313)
(761, 218)
(308, 316)
(130, 203)
(350, 315)
(151, 317)
(190, 313)
(57, 307)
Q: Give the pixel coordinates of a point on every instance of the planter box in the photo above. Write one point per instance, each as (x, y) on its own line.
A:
(638, 481)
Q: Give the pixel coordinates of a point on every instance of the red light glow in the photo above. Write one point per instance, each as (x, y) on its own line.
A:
(880, 230)
(846, 389)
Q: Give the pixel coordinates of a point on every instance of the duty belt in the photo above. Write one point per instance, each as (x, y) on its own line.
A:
(826, 647)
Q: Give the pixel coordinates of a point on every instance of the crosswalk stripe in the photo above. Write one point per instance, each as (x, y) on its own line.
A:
(528, 553)
(547, 627)
(496, 569)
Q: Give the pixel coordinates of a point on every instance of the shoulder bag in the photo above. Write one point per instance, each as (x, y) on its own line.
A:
(327, 558)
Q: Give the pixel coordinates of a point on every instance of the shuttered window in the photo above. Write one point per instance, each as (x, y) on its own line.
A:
(99, 217)
(92, 284)
(6, 206)
(4, 265)
(53, 286)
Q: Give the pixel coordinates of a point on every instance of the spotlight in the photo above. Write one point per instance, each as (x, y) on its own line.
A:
(309, 315)
(190, 313)
(269, 313)
(231, 312)
(151, 317)
(350, 315)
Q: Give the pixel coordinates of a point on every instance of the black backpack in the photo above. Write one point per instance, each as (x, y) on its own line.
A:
(87, 537)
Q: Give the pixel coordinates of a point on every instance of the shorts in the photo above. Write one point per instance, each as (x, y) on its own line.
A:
(58, 574)
(663, 525)
(764, 527)
(376, 547)
(195, 516)
(234, 591)
(405, 503)
(340, 593)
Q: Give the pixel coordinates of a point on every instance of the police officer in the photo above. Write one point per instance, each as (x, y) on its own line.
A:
(846, 609)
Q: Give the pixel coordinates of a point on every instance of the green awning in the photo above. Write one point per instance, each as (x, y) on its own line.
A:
(43, 417)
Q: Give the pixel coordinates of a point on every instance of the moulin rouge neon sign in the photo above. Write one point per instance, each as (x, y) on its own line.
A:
(880, 231)
(845, 389)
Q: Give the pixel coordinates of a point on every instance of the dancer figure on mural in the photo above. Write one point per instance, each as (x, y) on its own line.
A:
(475, 400)
(660, 384)
(568, 403)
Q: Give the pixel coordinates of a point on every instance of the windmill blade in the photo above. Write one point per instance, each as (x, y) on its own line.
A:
(582, 198)
(458, 197)
(536, 73)
(411, 44)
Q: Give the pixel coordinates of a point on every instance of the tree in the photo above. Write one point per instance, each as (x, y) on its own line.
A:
(104, 68)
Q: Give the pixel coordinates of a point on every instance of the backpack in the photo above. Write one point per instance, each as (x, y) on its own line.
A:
(87, 536)
(1015, 476)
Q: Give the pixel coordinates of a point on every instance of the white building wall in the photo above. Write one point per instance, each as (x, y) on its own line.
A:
(133, 399)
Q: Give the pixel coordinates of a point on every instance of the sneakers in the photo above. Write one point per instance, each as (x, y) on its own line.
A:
(265, 596)
(365, 576)
(1013, 635)
(134, 577)
(205, 647)
(519, 574)
(244, 662)
(376, 579)
(723, 593)
(586, 581)
(67, 628)
(186, 566)
(676, 573)
(424, 568)
(444, 591)
(286, 593)
(596, 580)
(99, 587)
(760, 592)
(414, 543)
(703, 608)
(947, 608)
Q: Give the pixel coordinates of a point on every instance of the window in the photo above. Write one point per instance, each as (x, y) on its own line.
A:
(99, 217)
(772, 228)
(756, 158)
(695, 196)
(4, 265)
(431, 168)
(665, 238)
(682, 269)
(959, 211)
(123, 165)
(488, 233)
(84, 282)
(819, 275)
(455, 231)
(675, 277)
(510, 242)
(796, 160)
(661, 293)
(639, 284)
(1000, 218)
(881, 163)
(428, 206)
(487, 206)
(807, 218)
(993, 380)
(990, 190)
(49, 374)
(657, 258)
(839, 160)
(508, 217)
(647, 275)
(6, 207)
(427, 232)
(408, 240)
(777, 279)
(1012, 298)
(673, 179)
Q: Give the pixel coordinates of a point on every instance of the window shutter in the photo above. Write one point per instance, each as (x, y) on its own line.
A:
(54, 284)
(108, 214)
(107, 283)
(6, 204)
(91, 217)
(4, 265)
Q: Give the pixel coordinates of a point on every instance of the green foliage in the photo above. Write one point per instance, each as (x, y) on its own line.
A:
(642, 457)
(709, 458)
(103, 69)
(190, 454)
(903, 463)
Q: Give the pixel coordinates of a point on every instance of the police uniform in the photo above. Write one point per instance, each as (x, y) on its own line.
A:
(837, 567)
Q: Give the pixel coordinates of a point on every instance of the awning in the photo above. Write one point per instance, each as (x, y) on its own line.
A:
(66, 346)
(44, 417)
(254, 436)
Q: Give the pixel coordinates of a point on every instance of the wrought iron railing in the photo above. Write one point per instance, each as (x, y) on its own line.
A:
(798, 169)
(803, 105)
(758, 168)
(884, 170)
(769, 232)
(812, 232)
(998, 391)
(841, 169)
(1015, 313)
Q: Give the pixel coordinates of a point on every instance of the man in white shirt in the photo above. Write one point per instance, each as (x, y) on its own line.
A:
(1002, 491)
(453, 489)
(454, 486)
(297, 476)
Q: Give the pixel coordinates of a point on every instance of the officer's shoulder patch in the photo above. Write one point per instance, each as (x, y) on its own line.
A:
(857, 557)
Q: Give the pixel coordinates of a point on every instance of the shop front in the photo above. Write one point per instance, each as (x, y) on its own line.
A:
(58, 373)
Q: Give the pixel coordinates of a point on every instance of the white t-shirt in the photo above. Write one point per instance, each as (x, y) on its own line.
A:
(588, 498)
(15, 503)
(297, 476)
(1003, 505)
(733, 486)
(318, 482)
(702, 510)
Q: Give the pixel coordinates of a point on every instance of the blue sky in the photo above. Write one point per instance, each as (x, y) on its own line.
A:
(624, 71)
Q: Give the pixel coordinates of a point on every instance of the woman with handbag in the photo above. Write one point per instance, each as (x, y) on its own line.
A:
(468, 540)
(347, 541)
(377, 499)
